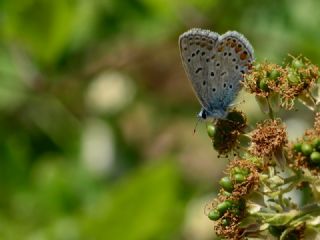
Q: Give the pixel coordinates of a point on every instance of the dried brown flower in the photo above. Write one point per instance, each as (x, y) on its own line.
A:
(268, 137)
(228, 130)
(232, 231)
(252, 179)
(299, 79)
(289, 82)
(298, 159)
(264, 79)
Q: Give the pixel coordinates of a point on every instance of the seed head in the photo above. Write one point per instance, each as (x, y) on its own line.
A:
(267, 138)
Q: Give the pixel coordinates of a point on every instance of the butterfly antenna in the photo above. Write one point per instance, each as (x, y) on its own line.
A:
(196, 125)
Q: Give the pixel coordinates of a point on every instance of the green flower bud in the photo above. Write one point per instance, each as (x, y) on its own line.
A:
(263, 85)
(316, 144)
(306, 149)
(243, 171)
(239, 177)
(296, 63)
(225, 222)
(315, 157)
(214, 215)
(211, 130)
(293, 78)
(226, 183)
(297, 147)
(224, 206)
(274, 74)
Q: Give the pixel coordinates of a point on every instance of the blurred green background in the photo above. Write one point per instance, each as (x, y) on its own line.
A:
(97, 115)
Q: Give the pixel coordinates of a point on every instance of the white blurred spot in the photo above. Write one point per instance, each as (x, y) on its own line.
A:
(296, 128)
(110, 92)
(98, 152)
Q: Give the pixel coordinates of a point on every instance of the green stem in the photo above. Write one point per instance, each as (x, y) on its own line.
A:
(271, 114)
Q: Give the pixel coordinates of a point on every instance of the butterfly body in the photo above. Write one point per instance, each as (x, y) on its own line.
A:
(215, 65)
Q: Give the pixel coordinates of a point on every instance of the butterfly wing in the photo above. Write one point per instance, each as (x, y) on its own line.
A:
(197, 46)
(234, 58)
(215, 66)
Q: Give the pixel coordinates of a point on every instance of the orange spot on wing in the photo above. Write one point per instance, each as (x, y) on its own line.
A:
(243, 55)
(237, 49)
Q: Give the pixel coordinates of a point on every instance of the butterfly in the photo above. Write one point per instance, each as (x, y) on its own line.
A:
(215, 65)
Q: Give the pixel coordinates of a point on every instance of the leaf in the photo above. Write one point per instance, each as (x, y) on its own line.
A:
(281, 219)
(146, 205)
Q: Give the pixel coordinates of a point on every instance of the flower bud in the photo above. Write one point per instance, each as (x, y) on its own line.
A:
(263, 85)
(293, 78)
(224, 206)
(211, 130)
(239, 177)
(225, 222)
(296, 63)
(306, 149)
(315, 157)
(226, 184)
(214, 215)
(297, 147)
(316, 144)
(274, 74)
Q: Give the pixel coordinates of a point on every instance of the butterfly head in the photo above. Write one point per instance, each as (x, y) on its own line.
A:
(215, 114)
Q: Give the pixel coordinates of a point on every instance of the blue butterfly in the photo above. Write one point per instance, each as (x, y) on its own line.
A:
(215, 65)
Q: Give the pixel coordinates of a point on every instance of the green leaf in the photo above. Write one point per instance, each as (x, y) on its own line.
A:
(145, 205)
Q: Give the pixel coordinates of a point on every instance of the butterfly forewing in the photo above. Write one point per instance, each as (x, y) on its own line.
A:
(197, 47)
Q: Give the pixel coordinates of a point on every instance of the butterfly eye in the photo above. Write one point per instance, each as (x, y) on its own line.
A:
(224, 85)
(204, 115)
(230, 86)
(212, 74)
(213, 89)
(204, 83)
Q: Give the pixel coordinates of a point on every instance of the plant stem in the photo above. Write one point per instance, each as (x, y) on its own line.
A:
(271, 115)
